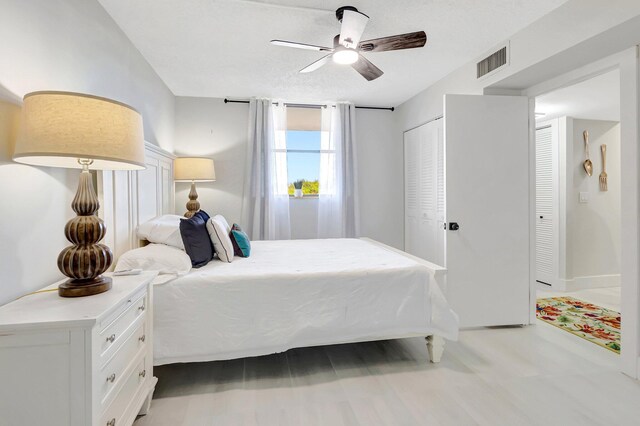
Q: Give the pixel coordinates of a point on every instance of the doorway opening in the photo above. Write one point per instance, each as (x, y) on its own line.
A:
(578, 209)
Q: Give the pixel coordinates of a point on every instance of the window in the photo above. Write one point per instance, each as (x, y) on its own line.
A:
(303, 160)
(303, 149)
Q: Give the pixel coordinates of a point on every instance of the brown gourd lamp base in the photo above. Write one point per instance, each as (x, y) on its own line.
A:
(85, 260)
(80, 288)
(193, 205)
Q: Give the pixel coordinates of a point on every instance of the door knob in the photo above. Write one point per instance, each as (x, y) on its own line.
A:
(453, 226)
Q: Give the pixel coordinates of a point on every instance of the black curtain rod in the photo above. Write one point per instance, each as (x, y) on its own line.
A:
(234, 101)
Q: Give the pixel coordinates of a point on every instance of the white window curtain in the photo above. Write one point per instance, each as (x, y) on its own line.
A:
(266, 195)
(338, 215)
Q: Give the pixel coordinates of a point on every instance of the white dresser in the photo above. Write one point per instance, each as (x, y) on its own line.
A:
(78, 361)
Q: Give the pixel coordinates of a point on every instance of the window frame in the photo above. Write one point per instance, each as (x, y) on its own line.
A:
(300, 120)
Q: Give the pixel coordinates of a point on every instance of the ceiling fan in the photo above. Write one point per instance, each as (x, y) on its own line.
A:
(347, 47)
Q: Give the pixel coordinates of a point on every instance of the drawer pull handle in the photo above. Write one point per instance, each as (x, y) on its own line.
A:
(111, 422)
(111, 378)
(143, 373)
(141, 308)
(111, 338)
(142, 338)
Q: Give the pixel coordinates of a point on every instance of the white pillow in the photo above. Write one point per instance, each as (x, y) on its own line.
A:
(219, 235)
(224, 222)
(156, 257)
(162, 230)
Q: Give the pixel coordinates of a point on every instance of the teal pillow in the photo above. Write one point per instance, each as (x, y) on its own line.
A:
(240, 240)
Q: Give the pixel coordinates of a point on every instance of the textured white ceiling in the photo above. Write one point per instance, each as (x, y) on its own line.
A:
(595, 99)
(218, 48)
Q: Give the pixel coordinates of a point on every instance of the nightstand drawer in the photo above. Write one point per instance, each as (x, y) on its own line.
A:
(113, 415)
(112, 374)
(118, 323)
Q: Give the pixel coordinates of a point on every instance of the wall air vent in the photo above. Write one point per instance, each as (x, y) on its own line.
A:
(493, 62)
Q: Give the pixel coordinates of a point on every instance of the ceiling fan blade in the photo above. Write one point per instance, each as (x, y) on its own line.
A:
(317, 64)
(285, 43)
(366, 68)
(396, 42)
(353, 24)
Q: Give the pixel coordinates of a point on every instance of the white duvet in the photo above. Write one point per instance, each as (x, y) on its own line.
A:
(294, 294)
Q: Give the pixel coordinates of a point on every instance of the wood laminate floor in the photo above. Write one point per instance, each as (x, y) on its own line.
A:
(535, 375)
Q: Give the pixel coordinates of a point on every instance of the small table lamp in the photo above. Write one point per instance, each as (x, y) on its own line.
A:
(73, 130)
(190, 169)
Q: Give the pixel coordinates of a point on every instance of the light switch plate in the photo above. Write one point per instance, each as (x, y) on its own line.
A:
(584, 197)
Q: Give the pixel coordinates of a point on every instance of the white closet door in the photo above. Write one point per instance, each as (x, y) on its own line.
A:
(411, 188)
(440, 194)
(424, 195)
(487, 195)
(547, 248)
(429, 229)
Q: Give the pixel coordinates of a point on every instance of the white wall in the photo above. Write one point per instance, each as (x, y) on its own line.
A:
(595, 226)
(34, 208)
(381, 177)
(70, 45)
(74, 45)
(209, 127)
(569, 37)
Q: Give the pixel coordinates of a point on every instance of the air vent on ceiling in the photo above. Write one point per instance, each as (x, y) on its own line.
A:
(492, 62)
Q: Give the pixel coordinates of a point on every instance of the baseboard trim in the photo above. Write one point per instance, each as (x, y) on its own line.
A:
(584, 283)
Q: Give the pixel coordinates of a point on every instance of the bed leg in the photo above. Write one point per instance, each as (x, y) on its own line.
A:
(435, 346)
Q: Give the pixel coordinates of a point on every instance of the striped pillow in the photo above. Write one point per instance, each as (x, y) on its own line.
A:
(220, 238)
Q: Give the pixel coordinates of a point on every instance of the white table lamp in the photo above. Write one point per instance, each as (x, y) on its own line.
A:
(192, 169)
(74, 130)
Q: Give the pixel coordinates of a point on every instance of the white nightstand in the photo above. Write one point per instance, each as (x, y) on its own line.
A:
(78, 361)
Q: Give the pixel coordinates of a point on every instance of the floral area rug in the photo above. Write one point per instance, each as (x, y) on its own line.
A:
(591, 322)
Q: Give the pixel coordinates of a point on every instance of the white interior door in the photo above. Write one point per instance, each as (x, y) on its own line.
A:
(547, 243)
(487, 196)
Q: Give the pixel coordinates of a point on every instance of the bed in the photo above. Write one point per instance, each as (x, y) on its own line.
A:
(286, 294)
(299, 293)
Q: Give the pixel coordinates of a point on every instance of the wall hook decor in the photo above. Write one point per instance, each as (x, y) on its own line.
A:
(588, 165)
(603, 175)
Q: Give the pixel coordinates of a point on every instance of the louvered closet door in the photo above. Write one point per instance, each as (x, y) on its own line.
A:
(428, 189)
(424, 192)
(440, 197)
(411, 184)
(546, 204)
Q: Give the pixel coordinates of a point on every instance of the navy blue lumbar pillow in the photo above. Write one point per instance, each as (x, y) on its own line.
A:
(196, 240)
(203, 215)
(240, 240)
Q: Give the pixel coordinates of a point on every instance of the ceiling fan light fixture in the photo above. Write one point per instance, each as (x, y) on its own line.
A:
(345, 56)
(347, 45)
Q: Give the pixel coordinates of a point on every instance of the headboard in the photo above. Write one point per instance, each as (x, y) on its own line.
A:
(130, 198)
